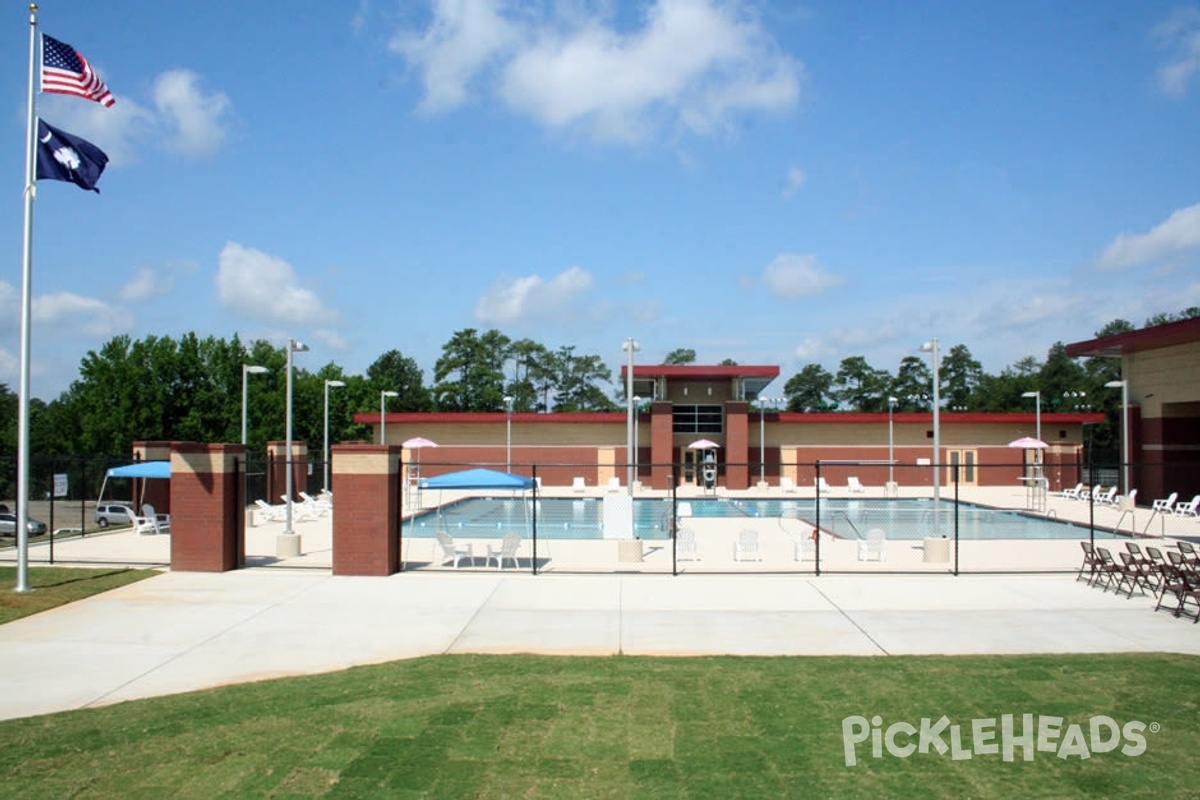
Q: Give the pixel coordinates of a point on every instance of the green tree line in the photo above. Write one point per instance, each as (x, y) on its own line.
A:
(190, 389)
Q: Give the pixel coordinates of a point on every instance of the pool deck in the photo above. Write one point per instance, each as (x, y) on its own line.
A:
(181, 631)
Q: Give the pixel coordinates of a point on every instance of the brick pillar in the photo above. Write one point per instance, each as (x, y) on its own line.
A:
(208, 507)
(277, 471)
(154, 491)
(365, 482)
(737, 445)
(662, 444)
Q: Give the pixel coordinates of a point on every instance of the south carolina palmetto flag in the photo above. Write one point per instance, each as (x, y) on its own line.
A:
(66, 71)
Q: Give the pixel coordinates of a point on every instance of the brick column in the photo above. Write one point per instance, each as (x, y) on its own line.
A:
(662, 444)
(365, 482)
(277, 470)
(737, 445)
(151, 490)
(208, 507)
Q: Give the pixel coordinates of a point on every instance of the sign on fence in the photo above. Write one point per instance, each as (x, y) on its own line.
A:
(60, 484)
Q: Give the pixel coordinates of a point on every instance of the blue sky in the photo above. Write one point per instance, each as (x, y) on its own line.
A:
(776, 183)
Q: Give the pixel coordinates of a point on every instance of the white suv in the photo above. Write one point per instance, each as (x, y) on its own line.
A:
(112, 514)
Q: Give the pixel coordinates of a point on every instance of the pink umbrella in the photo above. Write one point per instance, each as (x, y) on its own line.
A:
(417, 443)
(703, 444)
(1028, 443)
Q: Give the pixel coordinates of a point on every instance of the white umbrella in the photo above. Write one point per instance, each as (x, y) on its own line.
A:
(703, 444)
(1028, 443)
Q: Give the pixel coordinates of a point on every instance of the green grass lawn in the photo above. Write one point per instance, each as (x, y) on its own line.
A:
(531, 726)
(55, 586)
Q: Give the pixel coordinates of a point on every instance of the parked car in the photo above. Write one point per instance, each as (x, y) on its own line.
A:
(112, 514)
(8, 525)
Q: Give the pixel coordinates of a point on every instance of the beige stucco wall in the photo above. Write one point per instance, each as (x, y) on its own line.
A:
(1163, 376)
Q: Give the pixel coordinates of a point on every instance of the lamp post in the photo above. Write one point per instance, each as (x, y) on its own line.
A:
(1037, 397)
(637, 411)
(630, 347)
(328, 384)
(931, 347)
(292, 347)
(248, 369)
(891, 442)
(1124, 384)
(383, 396)
(508, 401)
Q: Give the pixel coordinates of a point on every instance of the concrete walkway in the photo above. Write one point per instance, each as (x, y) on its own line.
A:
(183, 631)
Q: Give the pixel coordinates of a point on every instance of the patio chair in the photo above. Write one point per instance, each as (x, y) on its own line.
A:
(614, 484)
(787, 484)
(1090, 564)
(1088, 494)
(142, 525)
(854, 485)
(1187, 551)
(1188, 509)
(267, 512)
(578, 485)
(823, 486)
(806, 548)
(871, 547)
(746, 547)
(507, 551)
(1106, 498)
(1165, 505)
(161, 521)
(452, 551)
(1108, 568)
(321, 506)
(1129, 572)
(1182, 583)
(1069, 494)
(685, 545)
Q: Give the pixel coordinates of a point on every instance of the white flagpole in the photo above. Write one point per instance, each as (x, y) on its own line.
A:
(23, 492)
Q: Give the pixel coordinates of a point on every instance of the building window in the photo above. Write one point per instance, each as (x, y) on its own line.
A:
(698, 419)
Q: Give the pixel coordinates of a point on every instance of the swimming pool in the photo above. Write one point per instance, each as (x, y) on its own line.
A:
(582, 518)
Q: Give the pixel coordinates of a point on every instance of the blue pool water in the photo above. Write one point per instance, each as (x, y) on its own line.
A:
(582, 518)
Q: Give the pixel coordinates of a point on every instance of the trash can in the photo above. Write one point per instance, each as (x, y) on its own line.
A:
(937, 550)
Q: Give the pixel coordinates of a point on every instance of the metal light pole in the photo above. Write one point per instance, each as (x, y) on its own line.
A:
(637, 411)
(383, 396)
(328, 384)
(891, 442)
(293, 347)
(1124, 384)
(508, 401)
(248, 369)
(630, 347)
(932, 347)
(1037, 396)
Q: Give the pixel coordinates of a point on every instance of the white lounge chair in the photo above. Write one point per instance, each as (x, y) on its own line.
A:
(685, 545)
(162, 521)
(787, 484)
(871, 548)
(614, 484)
(806, 549)
(746, 547)
(507, 551)
(1070, 494)
(578, 485)
(823, 486)
(452, 551)
(853, 484)
(1188, 509)
(145, 525)
(1106, 498)
(268, 512)
(1165, 505)
(322, 506)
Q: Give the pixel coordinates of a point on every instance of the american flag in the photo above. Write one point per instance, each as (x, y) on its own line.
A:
(65, 71)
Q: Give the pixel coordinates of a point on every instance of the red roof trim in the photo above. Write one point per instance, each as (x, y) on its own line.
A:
(718, 372)
(1172, 333)
(610, 417)
(490, 417)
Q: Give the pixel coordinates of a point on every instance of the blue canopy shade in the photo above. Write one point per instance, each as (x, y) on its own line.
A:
(142, 469)
(477, 479)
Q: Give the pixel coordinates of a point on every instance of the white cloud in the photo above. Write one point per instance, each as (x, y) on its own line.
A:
(263, 287)
(532, 297)
(147, 284)
(1181, 36)
(463, 38)
(1179, 233)
(66, 311)
(692, 63)
(792, 182)
(791, 276)
(195, 119)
